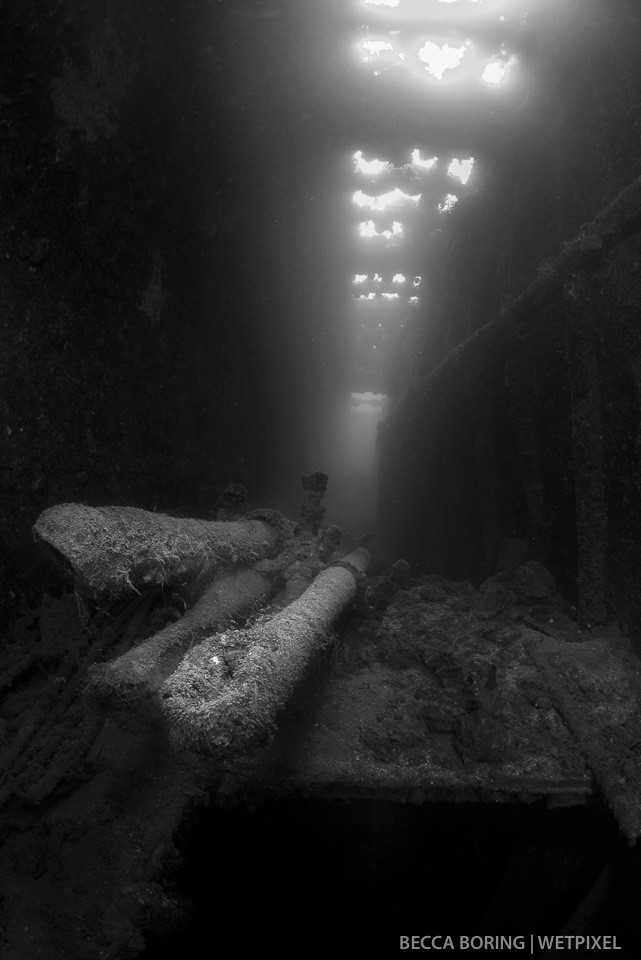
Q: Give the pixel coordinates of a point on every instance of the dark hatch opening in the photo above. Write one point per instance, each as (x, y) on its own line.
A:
(306, 876)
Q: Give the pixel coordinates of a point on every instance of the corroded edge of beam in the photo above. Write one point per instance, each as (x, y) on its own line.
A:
(611, 226)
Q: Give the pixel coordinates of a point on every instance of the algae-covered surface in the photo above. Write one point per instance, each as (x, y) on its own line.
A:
(430, 690)
(434, 696)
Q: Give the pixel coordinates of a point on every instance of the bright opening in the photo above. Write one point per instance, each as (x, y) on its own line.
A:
(369, 397)
(378, 278)
(448, 204)
(370, 168)
(416, 282)
(496, 70)
(382, 3)
(423, 164)
(393, 198)
(398, 278)
(375, 48)
(413, 299)
(369, 402)
(439, 59)
(366, 296)
(360, 278)
(368, 229)
(461, 169)
(391, 296)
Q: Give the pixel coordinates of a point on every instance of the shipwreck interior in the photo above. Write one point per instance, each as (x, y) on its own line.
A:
(320, 512)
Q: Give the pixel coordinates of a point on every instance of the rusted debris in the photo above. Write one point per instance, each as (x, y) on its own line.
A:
(312, 512)
(232, 502)
(598, 695)
(45, 729)
(112, 550)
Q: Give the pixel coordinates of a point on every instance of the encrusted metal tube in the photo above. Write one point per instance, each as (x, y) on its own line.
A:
(111, 550)
(228, 691)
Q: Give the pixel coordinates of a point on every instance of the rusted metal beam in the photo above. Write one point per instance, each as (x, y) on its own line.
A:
(596, 691)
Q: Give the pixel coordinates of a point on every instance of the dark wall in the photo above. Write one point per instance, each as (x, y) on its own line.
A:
(131, 276)
(537, 439)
